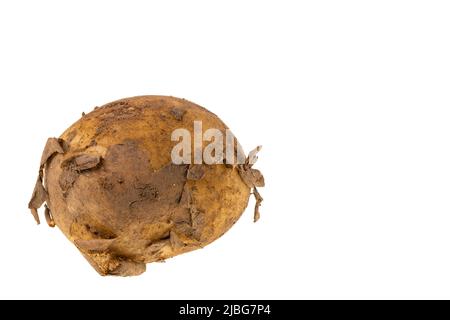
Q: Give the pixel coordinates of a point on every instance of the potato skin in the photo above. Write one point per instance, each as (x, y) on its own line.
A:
(116, 194)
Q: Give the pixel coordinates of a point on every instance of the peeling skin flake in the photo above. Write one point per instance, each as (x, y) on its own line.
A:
(253, 178)
(39, 196)
(259, 199)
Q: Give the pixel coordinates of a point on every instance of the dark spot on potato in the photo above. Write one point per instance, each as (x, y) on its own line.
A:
(178, 113)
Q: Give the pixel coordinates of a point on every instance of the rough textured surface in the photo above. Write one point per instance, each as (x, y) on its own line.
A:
(111, 187)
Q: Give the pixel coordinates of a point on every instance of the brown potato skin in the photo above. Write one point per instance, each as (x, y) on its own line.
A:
(134, 206)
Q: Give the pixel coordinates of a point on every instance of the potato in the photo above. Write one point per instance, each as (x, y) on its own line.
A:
(111, 185)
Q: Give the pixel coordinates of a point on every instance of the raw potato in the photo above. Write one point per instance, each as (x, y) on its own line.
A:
(109, 184)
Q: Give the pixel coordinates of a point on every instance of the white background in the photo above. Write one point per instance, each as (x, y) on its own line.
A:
(350, 100)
